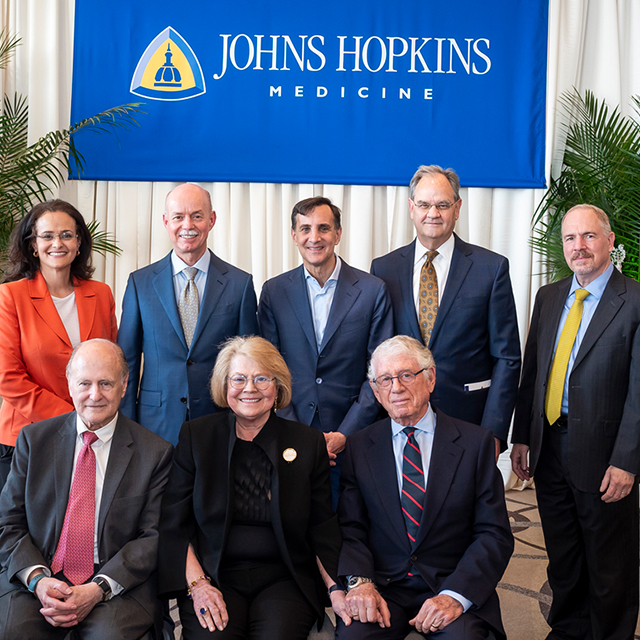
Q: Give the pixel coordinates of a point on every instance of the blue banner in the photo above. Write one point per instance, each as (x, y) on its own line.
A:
(345, 92)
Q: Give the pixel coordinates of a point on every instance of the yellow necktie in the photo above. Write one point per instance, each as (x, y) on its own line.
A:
(555, 385)
(428, 297)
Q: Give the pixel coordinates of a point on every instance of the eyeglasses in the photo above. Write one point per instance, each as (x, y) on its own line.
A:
(65, 236)
(239, 382)
(440, 206)
(407, 378)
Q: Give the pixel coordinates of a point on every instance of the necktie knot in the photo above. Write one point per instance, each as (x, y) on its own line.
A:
(409, 431)
(89, 437)
(431, 255)
(581, 294)
(190, 272)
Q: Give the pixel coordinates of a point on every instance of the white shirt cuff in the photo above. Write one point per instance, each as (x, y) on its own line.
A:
(116, 588)
(466, 604)
(25, 573)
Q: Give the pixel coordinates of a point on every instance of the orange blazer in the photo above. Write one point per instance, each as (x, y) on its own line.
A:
(35, 348)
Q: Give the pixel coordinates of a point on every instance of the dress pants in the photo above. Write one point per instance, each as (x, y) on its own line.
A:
(592, 548)
(404, 599)
(263, 603)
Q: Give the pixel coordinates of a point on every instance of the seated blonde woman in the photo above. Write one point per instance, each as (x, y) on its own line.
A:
(247, 525)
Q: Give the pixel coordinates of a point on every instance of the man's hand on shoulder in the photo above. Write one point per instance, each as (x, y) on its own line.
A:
(364, 603)
(436, 613)
(616, 484)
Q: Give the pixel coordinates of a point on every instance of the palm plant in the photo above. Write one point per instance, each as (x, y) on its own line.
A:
(601, 166)
(29, 173)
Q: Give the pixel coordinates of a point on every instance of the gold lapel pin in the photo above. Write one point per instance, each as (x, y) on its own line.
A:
(289, 454)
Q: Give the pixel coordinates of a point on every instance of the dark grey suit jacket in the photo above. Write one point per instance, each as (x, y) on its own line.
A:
(604, 383)
(34, 501)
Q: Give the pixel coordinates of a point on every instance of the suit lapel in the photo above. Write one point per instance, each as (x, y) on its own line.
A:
(405, 279)
(43, 304)
(119, 458)
(460, 266)
(445, 458)
(86, 305)
(214, 288)
(163, 285)
(345, 296)
(610, 303)
(381, 461)
(299, 299)
(63, 454)
(550, 324)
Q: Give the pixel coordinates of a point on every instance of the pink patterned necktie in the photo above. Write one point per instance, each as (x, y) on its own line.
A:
(74, 555)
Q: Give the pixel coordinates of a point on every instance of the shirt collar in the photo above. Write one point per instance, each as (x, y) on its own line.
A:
(427, 423)
(178, 264)
(332, 278)
(445, 250)
(104, 433)
(597, 286)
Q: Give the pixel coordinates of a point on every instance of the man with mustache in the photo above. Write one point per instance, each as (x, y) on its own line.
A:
(177, 312)
(577, 421)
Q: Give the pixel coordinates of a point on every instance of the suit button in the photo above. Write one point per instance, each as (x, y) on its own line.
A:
(189, 362)
(183, 400)
(318, 380)
(311, 405)
(413, 558)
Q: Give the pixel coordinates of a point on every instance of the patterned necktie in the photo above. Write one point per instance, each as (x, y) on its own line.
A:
(74, 555)
(555, 385)
(189, 305)
(428, 297)
(412, 484)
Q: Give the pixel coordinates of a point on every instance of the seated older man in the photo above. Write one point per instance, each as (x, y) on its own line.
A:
(79, 513)
(426, 535)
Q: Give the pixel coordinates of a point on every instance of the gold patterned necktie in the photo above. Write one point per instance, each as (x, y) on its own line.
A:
(555, 384)
(428, 297)
(189, 305)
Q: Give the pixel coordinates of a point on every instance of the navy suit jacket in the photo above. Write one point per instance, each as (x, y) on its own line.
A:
(475, 336)
(332, 379)
(604, 383)
(34, 502)
(172, 374)
(464, 542)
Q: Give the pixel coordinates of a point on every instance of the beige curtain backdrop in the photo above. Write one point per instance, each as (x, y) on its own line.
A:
(593, 44)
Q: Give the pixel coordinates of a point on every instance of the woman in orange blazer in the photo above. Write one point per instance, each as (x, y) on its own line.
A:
(48, 305)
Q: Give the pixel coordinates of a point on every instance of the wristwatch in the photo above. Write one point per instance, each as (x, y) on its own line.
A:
(356, 581)
(105, 586)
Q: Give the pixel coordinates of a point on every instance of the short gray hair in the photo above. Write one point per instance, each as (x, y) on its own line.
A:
(402, 345)
(124, 365)
(601, 215)
(434, 169)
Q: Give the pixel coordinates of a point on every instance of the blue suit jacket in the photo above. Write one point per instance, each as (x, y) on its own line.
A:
(475, 337)
(173, 374)
(464, 541)
(332, 378)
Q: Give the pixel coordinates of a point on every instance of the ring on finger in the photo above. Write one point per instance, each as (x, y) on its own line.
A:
(203, 610)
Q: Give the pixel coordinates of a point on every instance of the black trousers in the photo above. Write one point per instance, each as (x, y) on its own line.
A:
(404, 600)
(263, 603)
(593, 552)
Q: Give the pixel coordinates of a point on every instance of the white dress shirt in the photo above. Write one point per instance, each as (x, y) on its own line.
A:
(441, 263)
(180, 278)
(68, 312)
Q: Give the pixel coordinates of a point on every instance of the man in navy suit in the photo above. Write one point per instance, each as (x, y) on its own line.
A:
(472, 328)
(176, 313)
(577, 428)
(425, 530)
(326, 318)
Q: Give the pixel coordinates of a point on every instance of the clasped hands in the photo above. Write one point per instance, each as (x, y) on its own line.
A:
(364, 603)
(65, 606)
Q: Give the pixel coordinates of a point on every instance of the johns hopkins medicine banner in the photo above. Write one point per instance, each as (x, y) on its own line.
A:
(339, 91)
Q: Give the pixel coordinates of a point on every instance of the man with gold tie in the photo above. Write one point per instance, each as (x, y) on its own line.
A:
(577, 428)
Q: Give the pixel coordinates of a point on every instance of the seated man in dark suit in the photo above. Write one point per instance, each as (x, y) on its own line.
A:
(79, 514)
(426, 535)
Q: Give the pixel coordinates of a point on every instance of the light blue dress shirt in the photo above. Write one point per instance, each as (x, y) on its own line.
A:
(424, 431)
(321, 299)
(180, 278)
(589, 306)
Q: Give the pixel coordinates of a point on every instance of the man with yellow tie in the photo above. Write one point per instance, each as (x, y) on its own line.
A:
(577, 427)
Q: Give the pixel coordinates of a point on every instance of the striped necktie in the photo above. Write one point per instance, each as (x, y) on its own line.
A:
(413, 488)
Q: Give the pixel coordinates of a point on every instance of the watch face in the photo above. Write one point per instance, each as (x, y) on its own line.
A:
(353, 581)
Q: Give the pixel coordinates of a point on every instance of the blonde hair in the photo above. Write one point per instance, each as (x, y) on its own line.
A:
(264, 354)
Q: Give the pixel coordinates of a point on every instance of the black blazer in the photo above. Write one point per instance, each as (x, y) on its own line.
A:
(464, 542)
(604, 383)
(195, 507)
